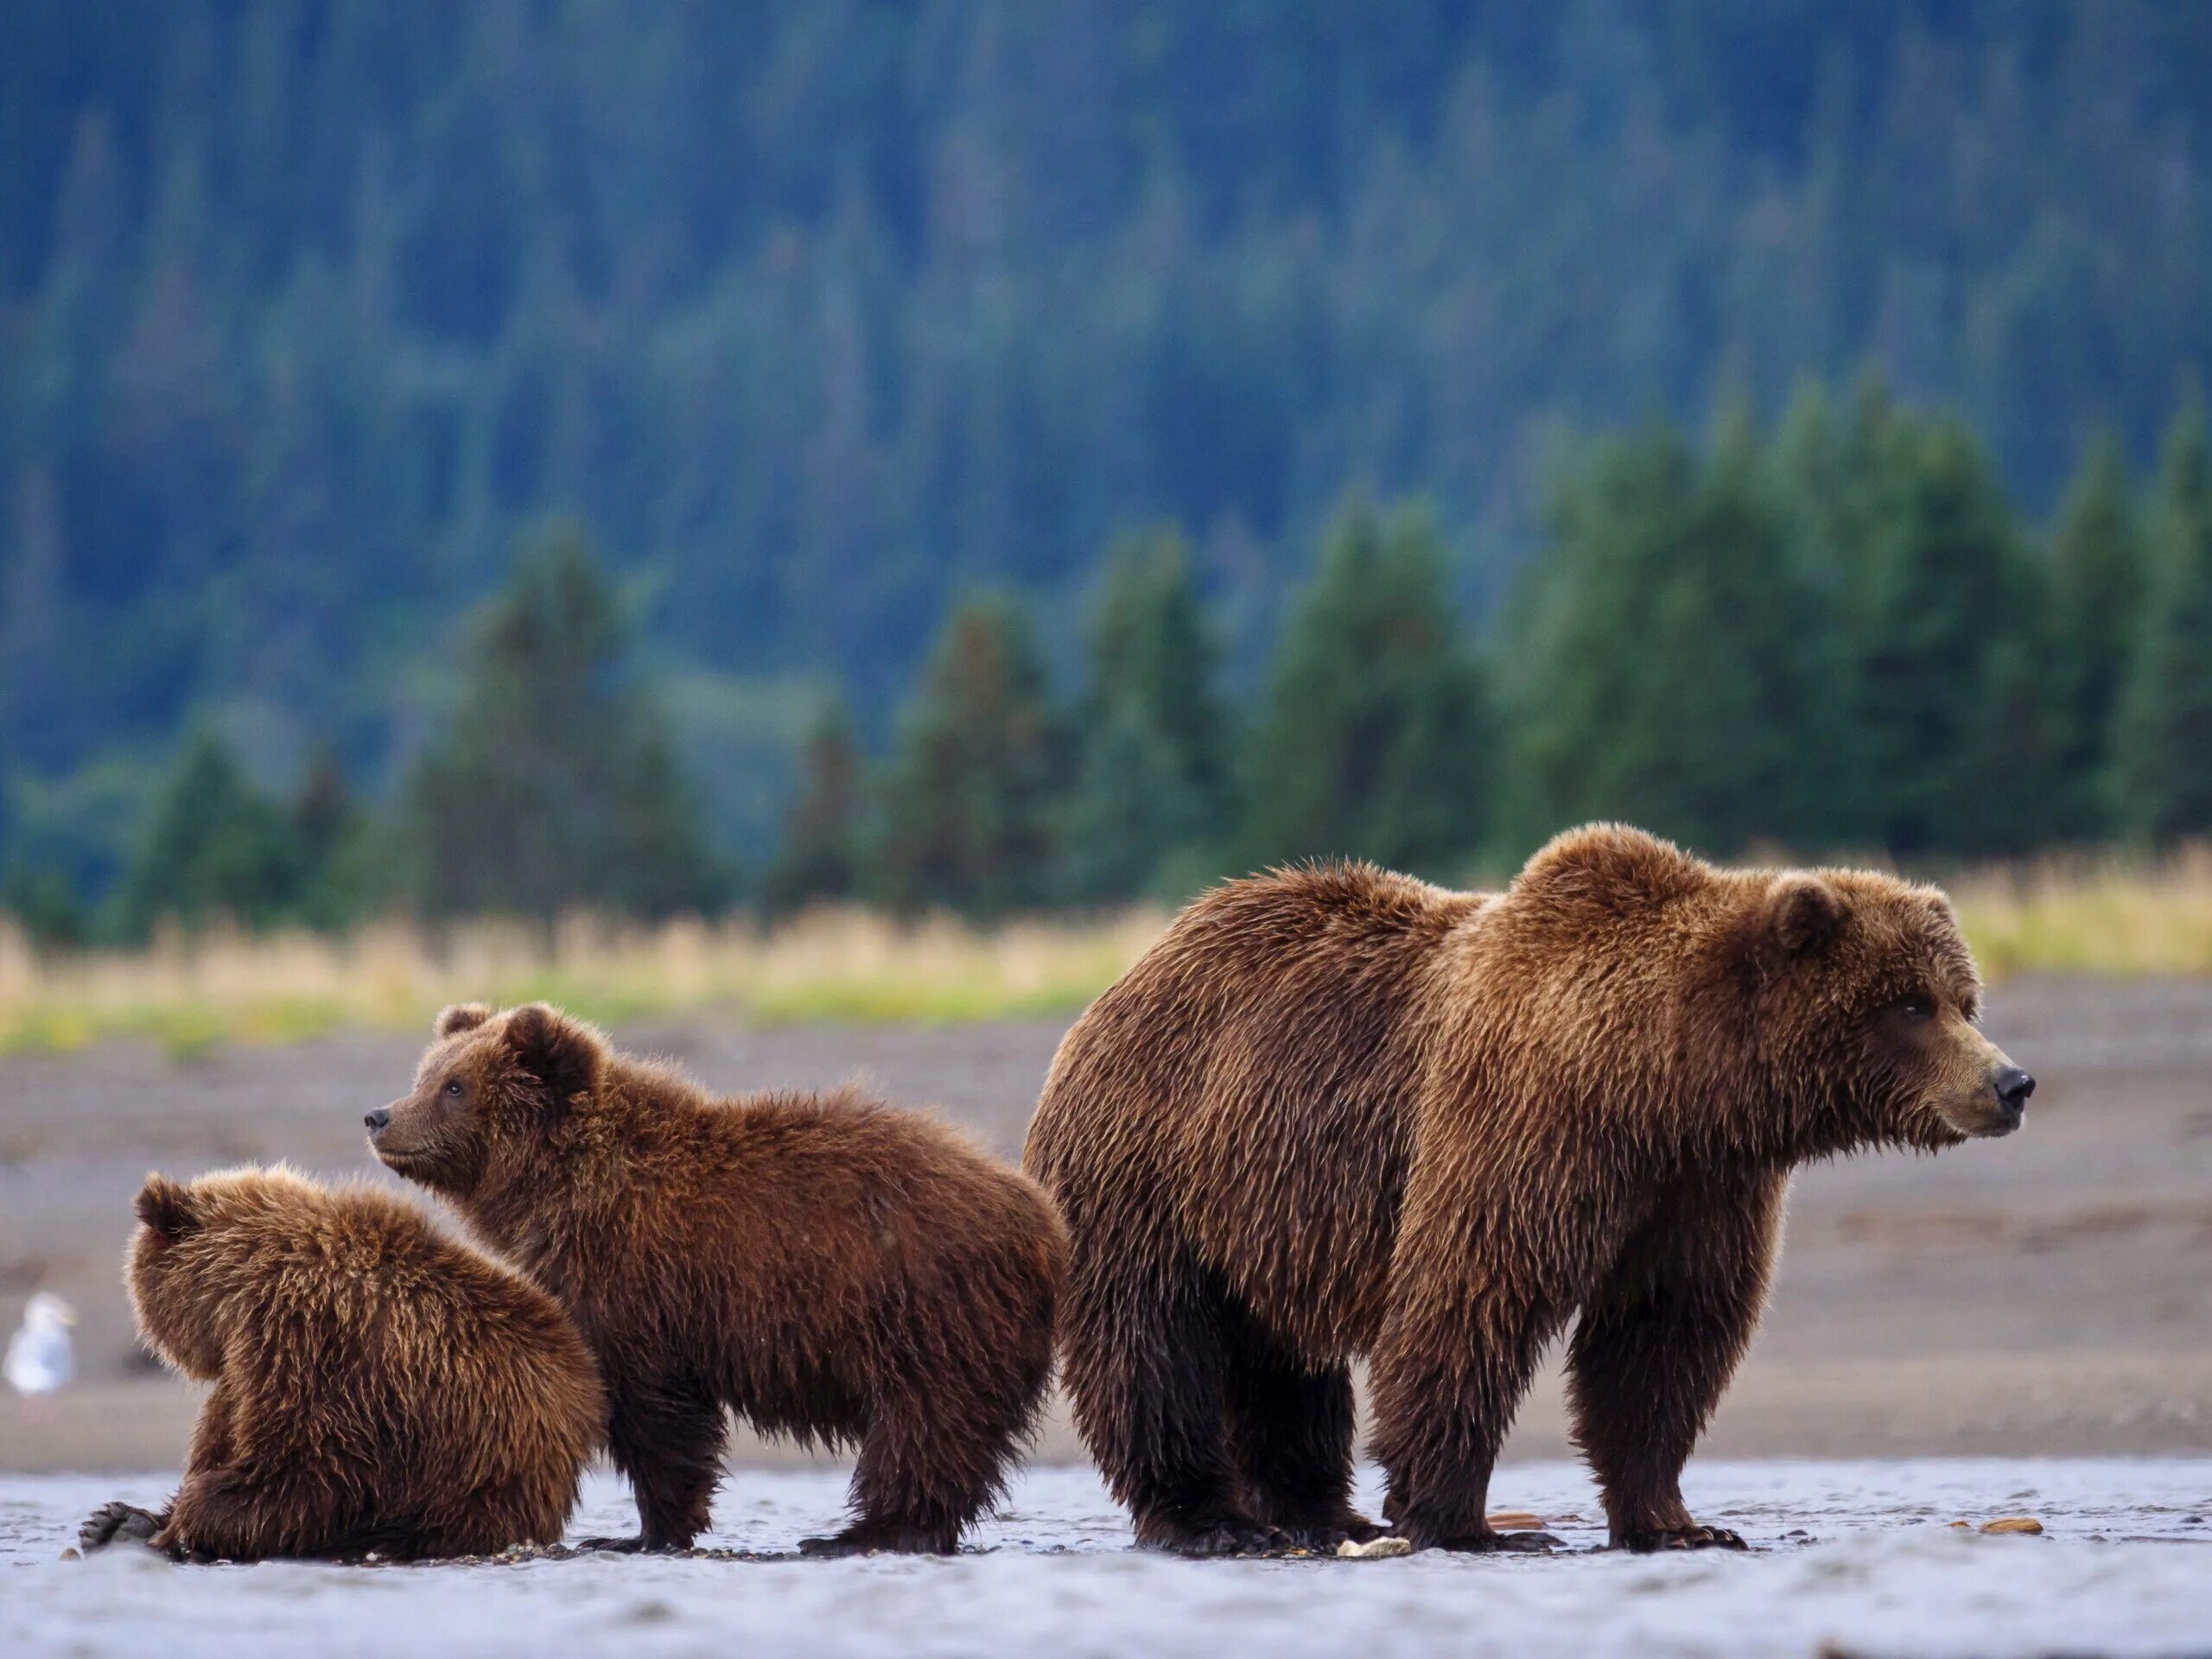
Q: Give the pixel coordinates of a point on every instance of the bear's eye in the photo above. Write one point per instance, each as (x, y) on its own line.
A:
(452, 1087)
(1918, 1005)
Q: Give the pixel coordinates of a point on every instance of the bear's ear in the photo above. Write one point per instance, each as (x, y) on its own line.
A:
(461, 1016)
(1803, 913)
(166, 1207)
(561, 1053)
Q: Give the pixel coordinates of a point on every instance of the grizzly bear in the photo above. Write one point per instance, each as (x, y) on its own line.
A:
(827, 1267)
(379, 1388)
(1336, 1112)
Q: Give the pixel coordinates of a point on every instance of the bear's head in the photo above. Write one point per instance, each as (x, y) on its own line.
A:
(1837, 1007)
(1862, 1004)
(189, 1268)
(492, 1091)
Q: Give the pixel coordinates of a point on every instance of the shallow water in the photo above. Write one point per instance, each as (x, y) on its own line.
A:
(1857, 1557)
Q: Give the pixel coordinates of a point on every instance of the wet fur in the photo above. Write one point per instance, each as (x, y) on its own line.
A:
(829, 1268)
(1336, 1112)
(378, 1387)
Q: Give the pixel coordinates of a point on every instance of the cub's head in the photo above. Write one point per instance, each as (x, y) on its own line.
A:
(192, 1264)
(1866, 999)
(490, 1091)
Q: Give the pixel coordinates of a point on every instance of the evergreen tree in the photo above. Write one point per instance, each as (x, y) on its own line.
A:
(1673, 667)
(330, 829)
(1374, 740)
(968, 802)
(1950, 688)
(2162, 741)
(216, 846)
(2097, 591)
(1151, 781)
(821, 857)
(556, 785)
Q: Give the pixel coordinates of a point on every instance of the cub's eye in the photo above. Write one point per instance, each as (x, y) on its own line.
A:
(453, 1088)
(1918, 1007)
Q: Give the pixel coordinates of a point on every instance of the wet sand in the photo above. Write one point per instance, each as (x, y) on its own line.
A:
(2046, 1296)
(1847, 1559)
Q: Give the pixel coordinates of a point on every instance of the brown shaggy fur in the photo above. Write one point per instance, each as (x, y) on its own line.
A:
(1336, 1112)
(828, 1268)
(378, 1387)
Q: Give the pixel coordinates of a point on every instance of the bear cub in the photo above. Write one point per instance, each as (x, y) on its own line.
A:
(825, 1266)
(378, 1387)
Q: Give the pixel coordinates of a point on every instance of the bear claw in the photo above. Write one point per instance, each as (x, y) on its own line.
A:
(1646, 1543)
(113, 1523)
(1500, 1543)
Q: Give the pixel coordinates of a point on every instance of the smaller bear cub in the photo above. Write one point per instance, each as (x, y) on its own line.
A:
(827, 1267)
(378, 1387)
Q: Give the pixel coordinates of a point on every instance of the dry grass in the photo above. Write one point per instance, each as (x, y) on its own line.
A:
(2094, 915)
(2091, 914)
(190, 994)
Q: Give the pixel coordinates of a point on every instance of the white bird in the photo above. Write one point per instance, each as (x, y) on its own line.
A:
(40, 1359)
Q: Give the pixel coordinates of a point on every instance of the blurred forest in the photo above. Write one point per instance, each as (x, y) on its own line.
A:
(1005, 457)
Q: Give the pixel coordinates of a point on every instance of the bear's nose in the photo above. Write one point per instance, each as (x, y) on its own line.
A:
(382, 1116)
(2013, 1087)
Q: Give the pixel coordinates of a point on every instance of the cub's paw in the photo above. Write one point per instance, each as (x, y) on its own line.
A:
(117, 1524)
(1646, 1543)
(634, 1545)
(1323, 1537)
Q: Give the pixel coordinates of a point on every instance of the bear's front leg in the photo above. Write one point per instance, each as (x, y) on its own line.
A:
(1656, 1344)
(1447, 1375)
(667, 1437)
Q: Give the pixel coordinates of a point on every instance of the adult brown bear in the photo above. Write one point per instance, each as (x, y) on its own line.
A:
(1336, 1112)
(828, 1268)
(378, 1387)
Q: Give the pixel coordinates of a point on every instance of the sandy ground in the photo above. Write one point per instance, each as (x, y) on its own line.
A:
(2048, 1294)
(1848, 1559)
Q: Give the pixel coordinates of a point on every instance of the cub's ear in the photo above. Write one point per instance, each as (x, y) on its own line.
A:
(561, 1053)
(166, 1206)
(1803, 913)
(461, 1016)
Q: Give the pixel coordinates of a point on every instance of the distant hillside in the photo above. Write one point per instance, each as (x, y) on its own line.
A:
(821, 313)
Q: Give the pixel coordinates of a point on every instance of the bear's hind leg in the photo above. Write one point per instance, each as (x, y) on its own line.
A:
(1654, 1347)
(1144, 1358)
(667, 1437)
(1290, 1429)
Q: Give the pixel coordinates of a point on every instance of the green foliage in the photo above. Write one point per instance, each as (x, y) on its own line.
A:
(821, 857)
(555, 786)
(828, 313)
(2097, 577)
(1948, 689)
(1672, 669)
(967, 803)
(2162, 743)
(1153, 780)
(1374, 740)
(216, 846)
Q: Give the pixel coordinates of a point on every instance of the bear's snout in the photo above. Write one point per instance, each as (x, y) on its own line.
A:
(379, 1121)
(2013, 1086)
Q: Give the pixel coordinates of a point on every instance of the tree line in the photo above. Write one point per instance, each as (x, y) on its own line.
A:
(822, 315)
(1836, 635)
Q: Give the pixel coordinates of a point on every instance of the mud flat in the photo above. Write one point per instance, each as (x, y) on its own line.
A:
(1855, 1558)
(2048, 1295)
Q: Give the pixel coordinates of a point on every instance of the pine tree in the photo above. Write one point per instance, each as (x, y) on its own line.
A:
(1948, 683)
(1670, 678)
(2161, 738)
(968, 802)
(1374, 740)
(821, 857)
(216, 846)
(2097, 593)
(1151, 781)
(556, 785)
